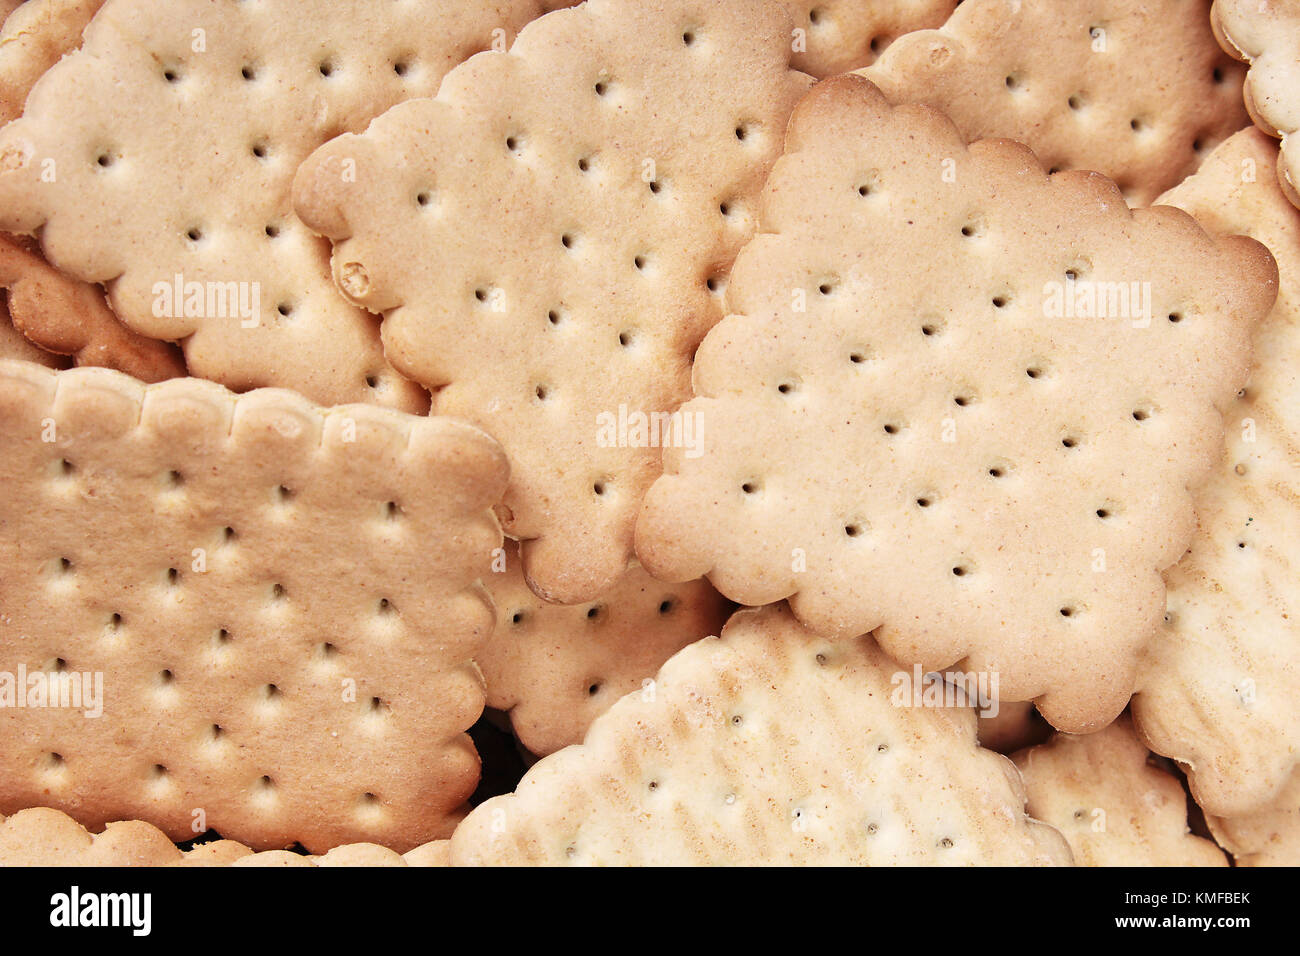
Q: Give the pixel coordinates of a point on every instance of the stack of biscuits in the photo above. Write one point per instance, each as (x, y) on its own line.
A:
(804, 431)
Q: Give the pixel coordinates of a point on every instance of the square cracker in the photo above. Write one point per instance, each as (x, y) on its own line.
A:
(769, 745)
(1135, 89)
(907, 428)
(166, 145)
(548, 240)
(1217, 687)
(281, 601)
(556, 667)
(1113, 807)
(1266, 34)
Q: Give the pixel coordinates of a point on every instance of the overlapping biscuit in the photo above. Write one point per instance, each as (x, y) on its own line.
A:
(33, 39)
(769, 745)
(433, 853)
(1266, 836)
(836, 36)
(1217, 687)
(1113, 807)
(239, 612)
(548, 240)
(1135, 89)
(15, 345)
(61, 315)
(960, 401)
(1266, 34)
(555, 667)
(157, 159)
(46, 837)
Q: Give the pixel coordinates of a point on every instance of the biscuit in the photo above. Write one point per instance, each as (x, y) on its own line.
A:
(119, 164)
(67, 317)
(556, 667)
(15, 345)
(961, 401)
(1113, 807)
(1078, 82)
(253, 614)
(1266, 836)
(46, 837)
(548, 240)
(354, 854)
(1266, 34)
(1217, 687)
(769, 745)
(836, 36)
(32, 40)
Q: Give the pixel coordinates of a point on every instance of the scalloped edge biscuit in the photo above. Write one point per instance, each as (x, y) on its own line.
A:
(226, 453)
(1269, 40)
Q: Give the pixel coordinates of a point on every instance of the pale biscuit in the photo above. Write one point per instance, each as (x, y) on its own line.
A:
(68, 317)
(282, 601)
(548, 240)
(1135, 89)
(913, 420)
(355, 854)
(157, 159)
(1266, 34)
(46, 837)
(769, 745)
(32, 40)
(1267, 836)
(557, 667)
(15, 345)
(1217, 687)
(1113, 807)
(836, 36)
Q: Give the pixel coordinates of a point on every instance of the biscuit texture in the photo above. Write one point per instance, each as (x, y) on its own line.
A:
(960, 401)
(557, 667)
(1076, 81)
(1217, 687)
(119, 163)
(32, 40)
(836, 36)
(1266, 34)
(1113, 807)
(1266, 836)
(548, 240)
(68, 317)
(769, 745)
(15, 345)
(46, 837)
(281, 602)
